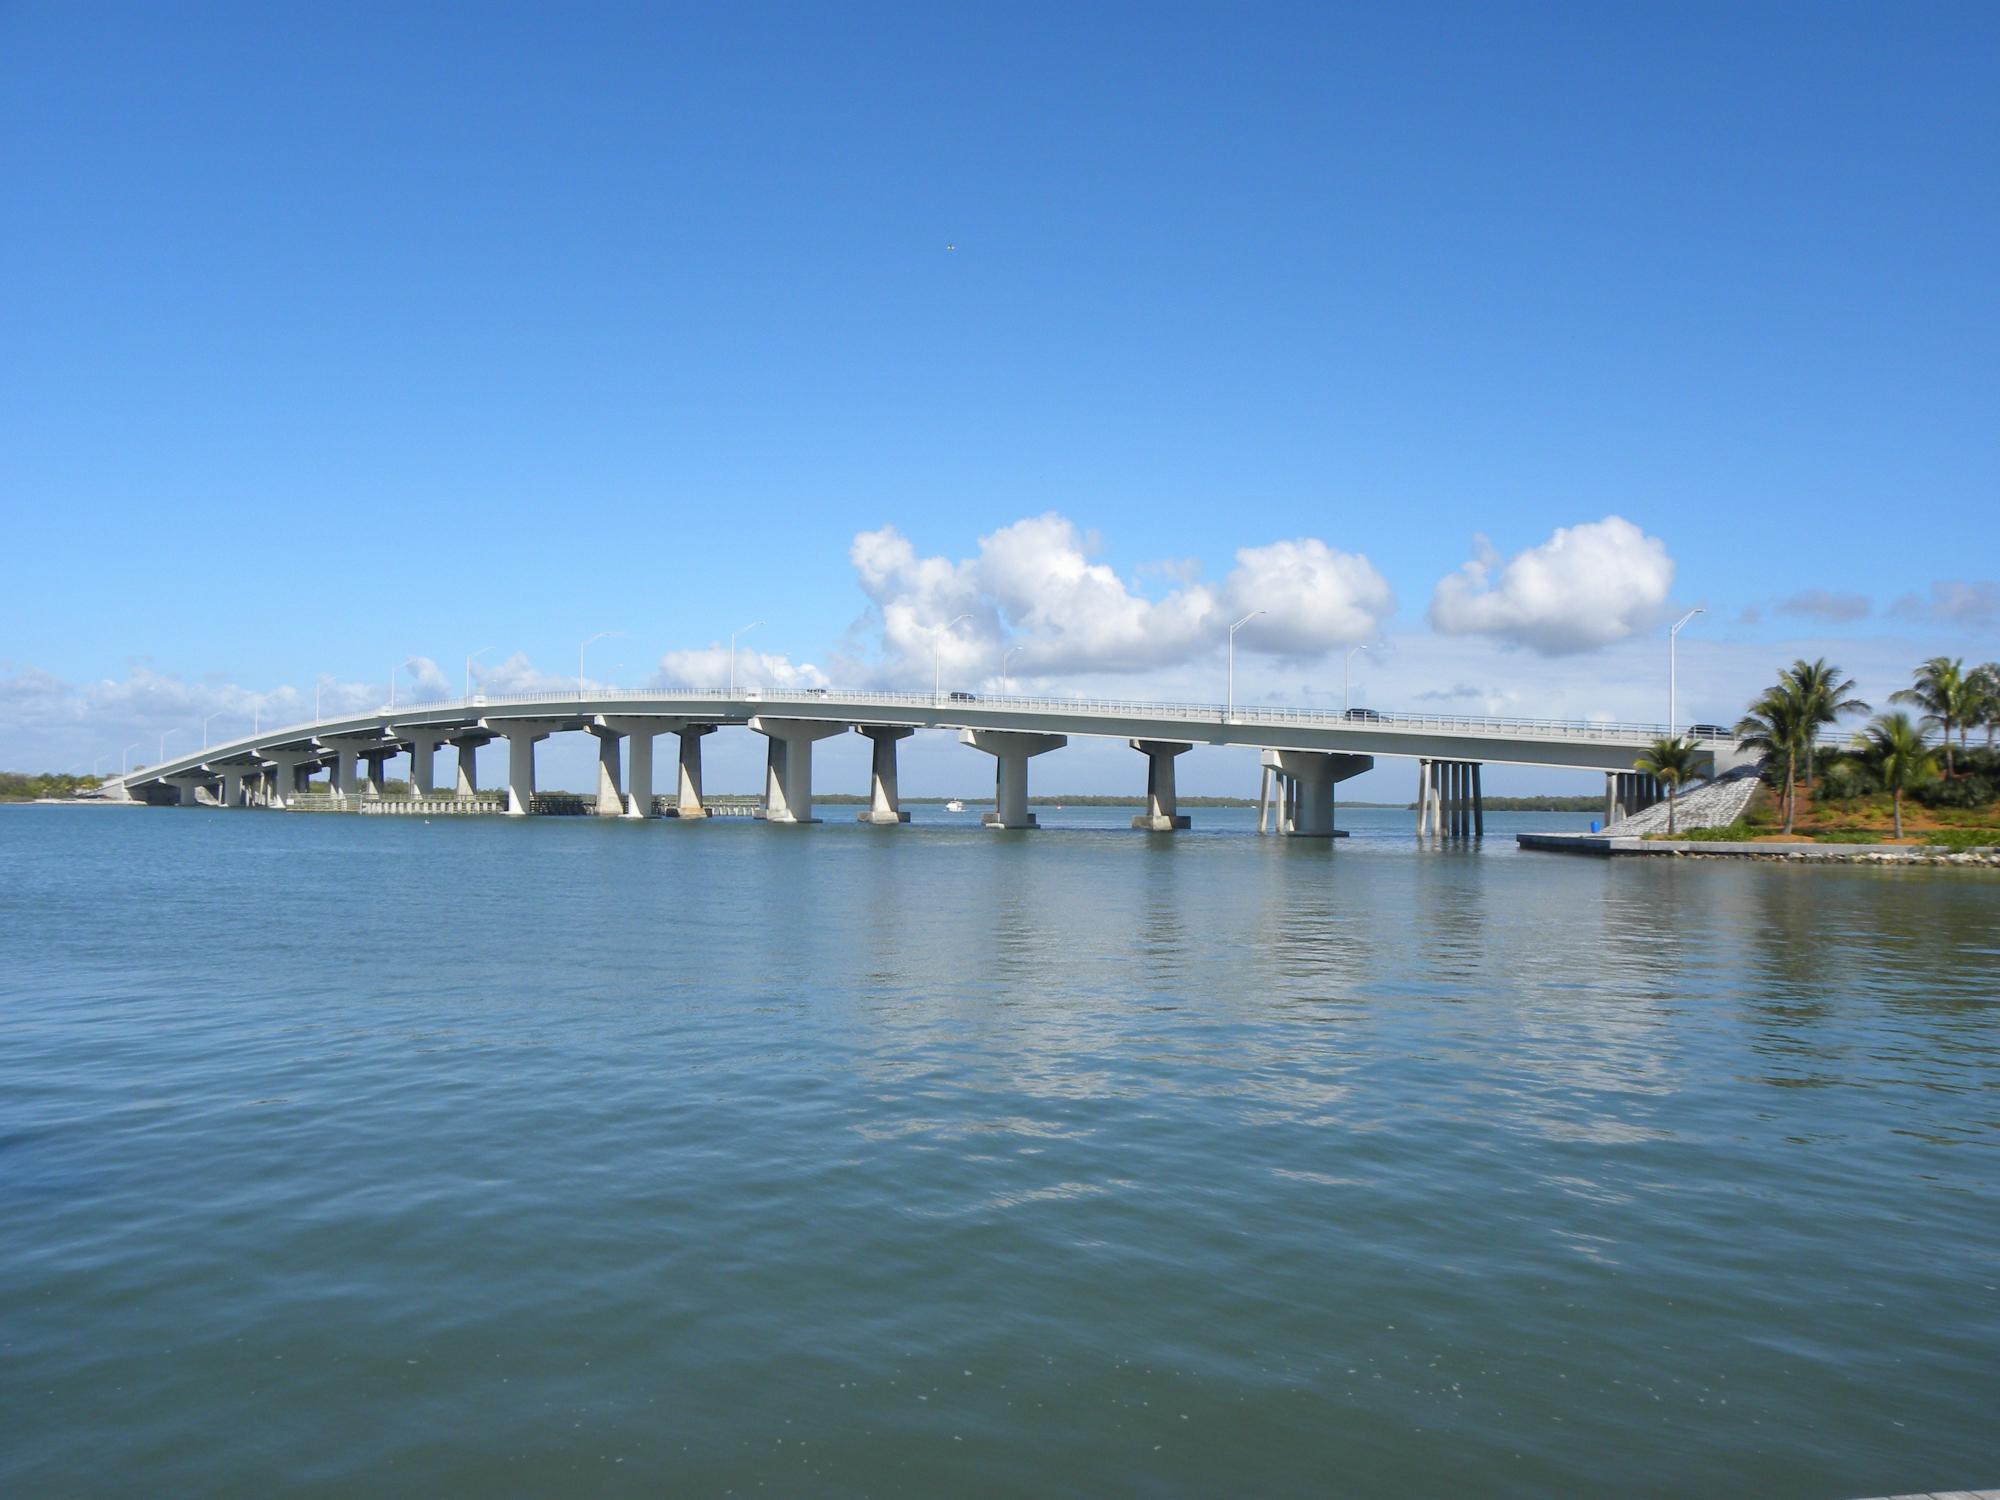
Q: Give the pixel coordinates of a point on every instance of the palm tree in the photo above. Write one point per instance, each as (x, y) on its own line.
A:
(1672, 761)
(1944, 693)
(1776, 726)
(1986, 685)
(1896, 749)
(1824, 693)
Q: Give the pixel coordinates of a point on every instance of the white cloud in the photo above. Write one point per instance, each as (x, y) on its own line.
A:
(1034, 589)
(1585, 587)
(708, 667)
(426, 680)
(518, 675)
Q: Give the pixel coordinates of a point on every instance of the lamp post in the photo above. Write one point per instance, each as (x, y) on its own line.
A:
(125, 759)
(163, 744)
(468, 667)
(1673, 682)
(601, 635)
(204, 727)
(1347, 679)
(1006, 656)
(743, 630)
(1230, 712)
(318, 683)
(937, 658)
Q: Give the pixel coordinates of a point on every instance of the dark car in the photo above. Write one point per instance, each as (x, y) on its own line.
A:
(815, 692)
(1707, 732)
(1363, 716)
(964, 698)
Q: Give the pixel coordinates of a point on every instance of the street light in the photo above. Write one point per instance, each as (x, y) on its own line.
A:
(204, 727)
(1347, 678)
(125, 759)
(601, 635)
(937, 658)
(318, 683)
(163, 744)
(1006, 656)
(740, 630)
(1673, 683)
(1230, 713)
(468, 667)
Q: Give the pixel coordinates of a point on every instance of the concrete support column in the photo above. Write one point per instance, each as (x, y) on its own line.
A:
(788, 769)
(1163, 808)
(884, 801)
(281, 782)
(640, 731)
(1010, 750)
(521, 770)
(346, 776)
(1314, 774)
(423, 741)
(377, 762)
(1478, 803)
(610, 795)
(467, 746)
(232, 785)
(189, 788)
(687, 802)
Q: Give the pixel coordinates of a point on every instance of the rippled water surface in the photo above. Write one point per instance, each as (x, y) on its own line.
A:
(346, 1155)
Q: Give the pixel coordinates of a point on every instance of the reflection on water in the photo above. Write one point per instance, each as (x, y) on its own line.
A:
(556, 1156)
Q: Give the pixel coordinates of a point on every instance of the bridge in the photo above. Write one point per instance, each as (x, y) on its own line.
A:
(1304, 754)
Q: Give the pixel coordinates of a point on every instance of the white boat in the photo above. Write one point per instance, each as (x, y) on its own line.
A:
(954, 806)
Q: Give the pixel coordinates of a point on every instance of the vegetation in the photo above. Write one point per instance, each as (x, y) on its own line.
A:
(1863, 792)
(1672, 761)
(1900, 758)
(20, 786)
(1949, 697)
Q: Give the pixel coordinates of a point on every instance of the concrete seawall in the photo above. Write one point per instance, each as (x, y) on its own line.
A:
(1607, 846)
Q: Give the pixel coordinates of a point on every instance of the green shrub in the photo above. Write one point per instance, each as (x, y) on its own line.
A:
(1847, 836)
(1735, 833)
(1847, 778)
(1958, 791)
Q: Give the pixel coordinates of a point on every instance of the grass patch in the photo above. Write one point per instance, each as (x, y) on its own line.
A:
(1735, 833)
(1963, 838)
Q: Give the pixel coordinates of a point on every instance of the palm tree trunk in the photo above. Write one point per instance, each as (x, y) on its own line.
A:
(1672, 798)
(1791, 791)
(1896, 802)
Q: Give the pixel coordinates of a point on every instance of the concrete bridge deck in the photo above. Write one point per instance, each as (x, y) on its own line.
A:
(1305, 753)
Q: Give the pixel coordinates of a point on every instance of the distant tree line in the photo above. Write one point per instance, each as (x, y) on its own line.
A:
(22, 786)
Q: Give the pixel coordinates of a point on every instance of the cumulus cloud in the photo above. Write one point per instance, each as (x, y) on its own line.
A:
(427, 681)
(708, 667)
(518, 675)
(1034, 589)
(1953, 601)
(1587, 586)
(1823, 604)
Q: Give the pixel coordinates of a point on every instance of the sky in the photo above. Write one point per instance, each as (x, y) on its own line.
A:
(344, 341)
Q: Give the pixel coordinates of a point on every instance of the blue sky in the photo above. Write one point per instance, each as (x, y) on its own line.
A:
(341, 337)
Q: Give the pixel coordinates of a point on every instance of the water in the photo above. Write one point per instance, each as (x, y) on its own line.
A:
(347, 1155)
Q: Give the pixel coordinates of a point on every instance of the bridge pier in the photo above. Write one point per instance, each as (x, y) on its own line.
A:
(521, 736)
(788, 775)
(348, 751)
(1450, 802)
(468, 744)
(884, 801)
(1628, 792)
(640, 731)
(610, 794)
(189, 788)
(1010, 749)
(232, 785)
(281, 781)
(687, 801)
(1163, 808)
(377, 777)
(423, 742)
(1309, 777)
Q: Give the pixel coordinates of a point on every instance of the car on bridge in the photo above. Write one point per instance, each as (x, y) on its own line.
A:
(1363, 716)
